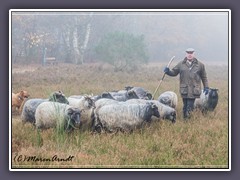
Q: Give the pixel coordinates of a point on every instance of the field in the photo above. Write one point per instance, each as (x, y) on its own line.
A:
(201, 142)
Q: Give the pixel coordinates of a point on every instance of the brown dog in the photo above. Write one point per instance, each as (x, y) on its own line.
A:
(18, 100)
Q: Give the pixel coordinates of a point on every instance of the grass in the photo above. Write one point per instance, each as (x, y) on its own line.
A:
(201, 142)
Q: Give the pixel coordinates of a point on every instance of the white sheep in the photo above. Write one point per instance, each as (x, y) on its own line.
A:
(57, 115)
(165, 111)
(84, 102)
(86, 105)
(169, 98)
(123, 116)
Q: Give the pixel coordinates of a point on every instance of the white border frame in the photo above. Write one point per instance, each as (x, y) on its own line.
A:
(119, 10)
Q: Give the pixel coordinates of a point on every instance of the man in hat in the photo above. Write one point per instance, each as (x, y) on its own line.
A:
(192, 72)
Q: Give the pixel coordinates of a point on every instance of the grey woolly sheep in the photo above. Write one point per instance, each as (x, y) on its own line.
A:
(169, 98)
(103, 95)
(57, 115)
(207, 102)
(104, 101)
(140, 92)
(58, 96)
(165, 111)
(123, 116)
(30, 106)
(124, 95)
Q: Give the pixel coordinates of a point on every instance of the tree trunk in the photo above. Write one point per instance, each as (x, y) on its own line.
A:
(76, 53)
(86, 39)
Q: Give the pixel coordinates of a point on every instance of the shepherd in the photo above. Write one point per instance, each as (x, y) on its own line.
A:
(192, 72)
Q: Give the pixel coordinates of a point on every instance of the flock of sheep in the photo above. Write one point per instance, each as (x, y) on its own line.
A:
(123, 110)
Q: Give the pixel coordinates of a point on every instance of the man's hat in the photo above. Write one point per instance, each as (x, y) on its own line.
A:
(190, 50)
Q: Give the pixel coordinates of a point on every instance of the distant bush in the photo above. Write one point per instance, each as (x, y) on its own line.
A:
(122, 50)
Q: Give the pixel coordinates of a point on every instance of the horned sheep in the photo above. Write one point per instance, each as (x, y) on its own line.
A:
(57, 115)
(86, 105)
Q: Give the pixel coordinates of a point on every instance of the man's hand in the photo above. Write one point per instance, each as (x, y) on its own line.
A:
(166, 70)
(205, 90)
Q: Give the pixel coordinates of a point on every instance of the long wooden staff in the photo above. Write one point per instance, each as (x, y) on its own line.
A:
(162, 78)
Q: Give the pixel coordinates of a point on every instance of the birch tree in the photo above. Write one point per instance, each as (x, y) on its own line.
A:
(86, 39)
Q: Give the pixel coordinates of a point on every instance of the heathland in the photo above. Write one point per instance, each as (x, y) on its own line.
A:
(201, 142)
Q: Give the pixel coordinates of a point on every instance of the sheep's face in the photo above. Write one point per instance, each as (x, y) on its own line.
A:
(62, 99)
(132, 95)
(127, 88)
(171, 116)
(151, 110)
(89, 103)
(74, 115)
(58, 97)
(155, 111)
(212, 99)
(107, 95)
(148, 95)
(213, 93)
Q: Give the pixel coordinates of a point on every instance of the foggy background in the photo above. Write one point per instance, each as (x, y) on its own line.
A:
(72, 37)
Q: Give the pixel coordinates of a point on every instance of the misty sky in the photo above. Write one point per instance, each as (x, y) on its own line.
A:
(168, 33)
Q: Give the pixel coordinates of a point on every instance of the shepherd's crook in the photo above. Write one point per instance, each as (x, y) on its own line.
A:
(162, 78)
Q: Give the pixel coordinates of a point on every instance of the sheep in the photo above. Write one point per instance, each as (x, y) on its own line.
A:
(207, 102)
(18, 100)
(169, 98)
(30, 106)
(103, 95)
(104, 101)
(29, 110)
(123, 116)
(85, 102)
(165, 111)
(57, 115)
(124, 95)
(141, 92)
(86, 105)
(76, 96)
(94, 98)
(58, 96)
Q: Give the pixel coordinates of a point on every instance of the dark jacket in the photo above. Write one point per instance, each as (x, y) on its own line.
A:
(190, 77)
